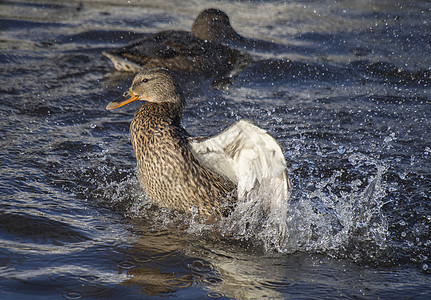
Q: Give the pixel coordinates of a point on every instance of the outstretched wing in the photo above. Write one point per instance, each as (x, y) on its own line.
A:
(249, 157)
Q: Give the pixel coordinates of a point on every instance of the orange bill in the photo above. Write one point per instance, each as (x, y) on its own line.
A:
(120, 101)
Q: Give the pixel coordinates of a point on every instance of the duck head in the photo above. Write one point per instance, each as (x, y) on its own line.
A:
(153, 85)
(213, 25)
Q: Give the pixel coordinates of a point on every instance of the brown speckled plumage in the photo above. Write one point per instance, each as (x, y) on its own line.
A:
(168, 171)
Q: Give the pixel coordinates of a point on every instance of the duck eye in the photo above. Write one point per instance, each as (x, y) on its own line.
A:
(144, 80)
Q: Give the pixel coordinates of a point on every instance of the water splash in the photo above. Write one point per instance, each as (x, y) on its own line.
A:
(341, 222)
(253, 221)
(327, 215)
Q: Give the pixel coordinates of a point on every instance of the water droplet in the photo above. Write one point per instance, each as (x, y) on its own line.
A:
(215, 295)
(388, 139)
(127, 265)
(212, 280)
(200, 266)
(72, 295)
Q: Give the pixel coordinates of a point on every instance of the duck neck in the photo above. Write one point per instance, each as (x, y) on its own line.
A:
(155, 116)
(172, 112)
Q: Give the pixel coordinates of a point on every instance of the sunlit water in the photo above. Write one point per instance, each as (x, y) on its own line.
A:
(345, 89)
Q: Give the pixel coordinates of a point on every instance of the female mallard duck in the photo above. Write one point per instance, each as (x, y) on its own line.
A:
(207, 174)
(195, 51)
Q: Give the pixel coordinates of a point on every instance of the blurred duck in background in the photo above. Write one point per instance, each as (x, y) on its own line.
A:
(199, 51)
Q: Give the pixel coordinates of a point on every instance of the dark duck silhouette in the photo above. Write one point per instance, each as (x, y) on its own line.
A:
(198, 51)
(206, 176)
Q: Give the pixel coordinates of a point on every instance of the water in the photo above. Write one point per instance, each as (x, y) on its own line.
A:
(343, 86)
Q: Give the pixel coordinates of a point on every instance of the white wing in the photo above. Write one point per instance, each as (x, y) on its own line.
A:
(249, 157)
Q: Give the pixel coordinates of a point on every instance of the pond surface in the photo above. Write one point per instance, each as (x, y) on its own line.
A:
(343, 86)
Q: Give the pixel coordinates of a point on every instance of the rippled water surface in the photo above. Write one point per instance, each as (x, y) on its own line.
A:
(344, 86)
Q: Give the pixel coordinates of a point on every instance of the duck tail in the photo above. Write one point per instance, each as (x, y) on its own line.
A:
(122, 64)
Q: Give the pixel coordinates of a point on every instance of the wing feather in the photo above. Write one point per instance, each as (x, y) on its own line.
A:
(248, 156)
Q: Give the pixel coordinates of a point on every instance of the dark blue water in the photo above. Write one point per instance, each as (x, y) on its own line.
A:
(343, 86)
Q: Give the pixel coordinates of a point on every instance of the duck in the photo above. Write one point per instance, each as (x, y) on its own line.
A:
(199, 51)
(206, 176)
